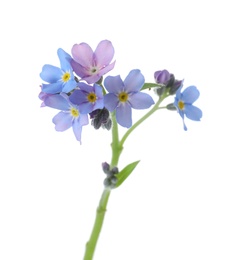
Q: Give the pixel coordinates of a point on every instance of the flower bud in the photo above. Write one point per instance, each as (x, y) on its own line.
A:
(106, 167)
(177, 84)
(100, 117)
(171, 107)
(162, 77)
(159, 91)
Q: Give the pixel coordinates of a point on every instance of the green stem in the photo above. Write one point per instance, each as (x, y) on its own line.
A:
(102, 207)
(116, 147)
(149, 113)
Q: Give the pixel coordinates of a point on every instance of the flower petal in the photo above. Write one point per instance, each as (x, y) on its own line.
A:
(85, 87)
(50, 73)
(77, 126)
(77, 97)
(79, 69)
(110, 101)
(69, 86)
(141, 100)
(124, 115)
(62, 121)
(104, 53)
(106, 69)
(114, 84)
(83, 54)
(86, 107)
(134, 81)
(98, 90)
(64, 58)
(52, 88)
(56, 101)
(192, 112)
(190, 94)
(99, 104)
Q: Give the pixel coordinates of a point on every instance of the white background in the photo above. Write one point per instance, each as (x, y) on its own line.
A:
(183, 199)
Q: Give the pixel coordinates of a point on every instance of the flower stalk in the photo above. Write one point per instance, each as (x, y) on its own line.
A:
(100, 214)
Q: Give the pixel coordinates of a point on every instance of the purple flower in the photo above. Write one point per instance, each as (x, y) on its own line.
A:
(125, 95)
(89, 65)
(183, 102)
(69, 116)
(60, 80)
(88, 98)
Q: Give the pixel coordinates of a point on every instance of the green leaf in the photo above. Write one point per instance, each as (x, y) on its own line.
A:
(124, 173)
(150, 85)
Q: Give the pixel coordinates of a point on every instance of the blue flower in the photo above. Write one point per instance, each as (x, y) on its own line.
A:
(88, 98)
(183, 102)
(60, 80)
(125, 95)
(69, 116)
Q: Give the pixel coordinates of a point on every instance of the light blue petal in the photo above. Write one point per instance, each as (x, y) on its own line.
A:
(52, 88)
(65, 59)
(134, 81)
(98, 90)
(140, 100)
(99, 104)
(57, 101)
(85, 108)
(78, 97)
(77, 126)
(182, 116)
(184, 126)
(124, 115)
(50, 74)
(83, 119)
(110, 101)
(190, 94)
(178, 95)
(62, 121)
(69, 86)
(192, 112)
(85, 87)
(113, 84)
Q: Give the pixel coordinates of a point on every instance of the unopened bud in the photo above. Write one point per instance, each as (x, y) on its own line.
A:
(171, 107)
(159, 91)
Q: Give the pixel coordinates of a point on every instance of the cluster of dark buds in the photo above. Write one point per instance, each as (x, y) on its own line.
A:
(101, 118)
(111, 180)
(167, 81)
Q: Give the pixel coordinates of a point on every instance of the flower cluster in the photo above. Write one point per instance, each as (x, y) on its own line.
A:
(78, 90)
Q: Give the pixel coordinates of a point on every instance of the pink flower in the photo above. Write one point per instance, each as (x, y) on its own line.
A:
(89, 65)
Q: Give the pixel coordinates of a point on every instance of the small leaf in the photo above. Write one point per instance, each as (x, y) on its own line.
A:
(124, 173)
(150, 85)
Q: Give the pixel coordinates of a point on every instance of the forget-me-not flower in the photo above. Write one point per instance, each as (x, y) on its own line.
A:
(88, 98)
(89, 65)
(69, 116)
(183, 102)
(125, 95)
(59, 79)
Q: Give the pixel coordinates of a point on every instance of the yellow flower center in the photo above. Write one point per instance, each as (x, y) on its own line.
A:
(66, 76)
(181, 104)
(123, 96)
(74, 112)
(91, 97)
